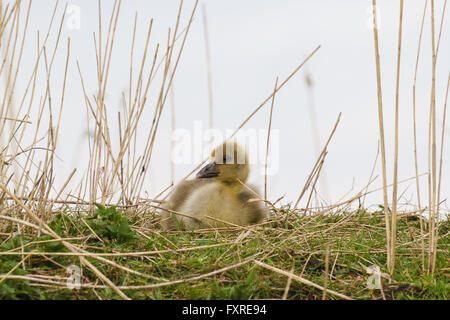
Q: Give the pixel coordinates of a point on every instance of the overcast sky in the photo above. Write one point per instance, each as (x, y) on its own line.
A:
(251, 43)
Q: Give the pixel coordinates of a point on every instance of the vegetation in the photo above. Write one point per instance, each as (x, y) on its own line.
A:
(101, 226)
(220, 264)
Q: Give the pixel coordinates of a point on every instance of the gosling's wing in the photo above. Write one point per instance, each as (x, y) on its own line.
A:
(183, 190)
(214, 205)
(176, 200)
(253, 206)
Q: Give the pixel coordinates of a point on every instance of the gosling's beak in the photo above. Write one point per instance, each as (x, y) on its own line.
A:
(208, 171)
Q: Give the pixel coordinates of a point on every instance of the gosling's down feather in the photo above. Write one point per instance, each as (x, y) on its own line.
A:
(217, 198)
(181, 192)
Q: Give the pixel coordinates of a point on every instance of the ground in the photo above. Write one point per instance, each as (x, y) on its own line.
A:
(223, 264)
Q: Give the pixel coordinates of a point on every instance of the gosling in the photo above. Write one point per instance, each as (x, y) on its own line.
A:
(218, 197)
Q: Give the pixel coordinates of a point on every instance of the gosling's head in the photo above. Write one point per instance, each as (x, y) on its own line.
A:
(228, 163)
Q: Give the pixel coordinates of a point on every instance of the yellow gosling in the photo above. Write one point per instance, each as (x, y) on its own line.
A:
(216, 198)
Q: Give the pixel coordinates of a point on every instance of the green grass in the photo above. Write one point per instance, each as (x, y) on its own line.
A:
(355, 239)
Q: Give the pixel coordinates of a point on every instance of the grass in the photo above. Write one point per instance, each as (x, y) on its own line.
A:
(293, 243)
(121, 251)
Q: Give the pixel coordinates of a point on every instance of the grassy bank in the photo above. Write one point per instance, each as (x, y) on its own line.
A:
(329, 250)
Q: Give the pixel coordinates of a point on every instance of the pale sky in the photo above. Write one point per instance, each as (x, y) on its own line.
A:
(251, 43)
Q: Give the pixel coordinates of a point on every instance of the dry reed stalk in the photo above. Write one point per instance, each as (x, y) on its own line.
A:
(55, 139)
(164, 93)
(208, 67)
(103, 254)
(416, 165)
(6, 51)
(101, 121)
(317, 175)
(288, 285)
(80, 201)
(5, 15)
(440, 169)
(53, 131)
(381, 127)
(432, 153)
(25, 170)
(29, 244)
(4, 111)
(440, 28)
(172, 129)
(327, 272)
(334, 264)
(301, 280)
(143, 287)
(178, 213)
(17, 120)
(107, 186)
(8, 62)
(52, 202)
(145, 159)
(437, 217)
(395, 183)
(23, 222)
(135, 178)
(268, 140)
(317, 164)
(130, 84)
(11, 94)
